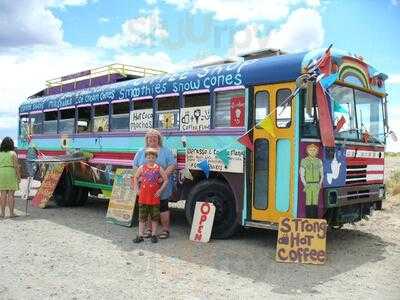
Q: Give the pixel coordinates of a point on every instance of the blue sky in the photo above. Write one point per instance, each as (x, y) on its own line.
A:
(44, 39)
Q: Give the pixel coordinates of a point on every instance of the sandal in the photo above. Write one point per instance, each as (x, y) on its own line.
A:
(164, 234)
(138, 239)
(154, 239)
(147, 234)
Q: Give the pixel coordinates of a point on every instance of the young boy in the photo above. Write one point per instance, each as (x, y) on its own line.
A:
(149, 195)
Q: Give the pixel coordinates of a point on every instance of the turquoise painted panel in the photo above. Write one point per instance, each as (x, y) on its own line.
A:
(296, 157)
(127, 144)
(282, 195)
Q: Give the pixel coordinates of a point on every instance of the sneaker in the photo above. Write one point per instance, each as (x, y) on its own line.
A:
(138, 239)
(154, 239)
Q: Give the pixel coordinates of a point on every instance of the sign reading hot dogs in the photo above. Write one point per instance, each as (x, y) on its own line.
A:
(301, 241)
(203, 221)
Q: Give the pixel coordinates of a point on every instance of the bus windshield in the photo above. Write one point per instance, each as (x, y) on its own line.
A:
(362, 112)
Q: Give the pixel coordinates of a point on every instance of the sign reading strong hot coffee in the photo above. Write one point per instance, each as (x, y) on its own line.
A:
(301, 241)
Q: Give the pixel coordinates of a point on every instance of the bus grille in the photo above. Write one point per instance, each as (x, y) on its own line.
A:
(356, 174)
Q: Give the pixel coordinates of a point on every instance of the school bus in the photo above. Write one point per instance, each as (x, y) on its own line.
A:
(268, 136)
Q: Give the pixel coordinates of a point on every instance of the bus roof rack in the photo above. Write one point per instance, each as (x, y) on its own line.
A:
(96, 77)
(262, 53)
(218, 62)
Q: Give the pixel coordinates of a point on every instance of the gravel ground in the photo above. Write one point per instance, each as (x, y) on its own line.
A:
(72, 253)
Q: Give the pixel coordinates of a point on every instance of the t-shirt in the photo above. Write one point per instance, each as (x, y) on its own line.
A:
(150, 184)
(165, 158)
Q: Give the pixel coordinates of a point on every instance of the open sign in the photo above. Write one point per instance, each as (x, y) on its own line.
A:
(203, 221)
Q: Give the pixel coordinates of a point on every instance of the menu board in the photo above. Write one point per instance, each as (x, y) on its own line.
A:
(123, 198)
(301, 241)
(48, 186)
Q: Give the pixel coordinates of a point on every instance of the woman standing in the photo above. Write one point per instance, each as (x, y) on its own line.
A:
(9, 176)
(165, 160)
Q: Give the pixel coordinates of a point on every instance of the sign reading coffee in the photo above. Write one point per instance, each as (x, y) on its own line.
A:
(301, 241)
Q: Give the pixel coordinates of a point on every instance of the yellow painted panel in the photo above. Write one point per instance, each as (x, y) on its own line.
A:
(271, 214)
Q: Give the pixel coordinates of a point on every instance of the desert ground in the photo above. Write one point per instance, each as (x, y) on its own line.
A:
(72, 253)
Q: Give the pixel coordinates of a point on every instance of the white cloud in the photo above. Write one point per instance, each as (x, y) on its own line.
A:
(151, 2)
(159, 61)
(24, 71)
(28, 22)
(395, 2)
(303, 30)
(394, 79)
(104, 20)
(243, 11)
(143, 30)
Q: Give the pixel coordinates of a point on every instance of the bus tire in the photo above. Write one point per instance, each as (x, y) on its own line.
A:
(66, 194)
(219, 193)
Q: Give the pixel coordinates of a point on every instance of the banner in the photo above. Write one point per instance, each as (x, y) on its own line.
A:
(141, 120)
(195, 118)
(48, 186)
(203, 221)
(122, 202)
(196, 155)
(301, 241)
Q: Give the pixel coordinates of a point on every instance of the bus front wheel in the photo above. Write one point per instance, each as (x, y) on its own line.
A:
(216, 192)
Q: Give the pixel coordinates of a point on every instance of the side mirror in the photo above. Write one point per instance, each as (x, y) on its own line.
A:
(393, 136)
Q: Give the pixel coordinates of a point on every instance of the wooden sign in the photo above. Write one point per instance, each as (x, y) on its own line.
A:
(301, 241)
(123, 198)
(48, 186)
(203, 221)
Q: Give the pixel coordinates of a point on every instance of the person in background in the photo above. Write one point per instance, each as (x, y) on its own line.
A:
(9, 176)
(151, 176)
(167, 161)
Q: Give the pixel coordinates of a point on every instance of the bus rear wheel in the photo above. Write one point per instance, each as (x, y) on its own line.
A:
(216, 192)
(66, 194)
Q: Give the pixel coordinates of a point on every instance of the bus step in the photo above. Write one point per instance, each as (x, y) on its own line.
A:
(263, 225)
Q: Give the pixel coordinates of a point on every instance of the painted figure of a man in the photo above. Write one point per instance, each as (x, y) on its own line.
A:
(312, 175)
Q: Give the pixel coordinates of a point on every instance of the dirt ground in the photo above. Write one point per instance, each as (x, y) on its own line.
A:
(72, 253)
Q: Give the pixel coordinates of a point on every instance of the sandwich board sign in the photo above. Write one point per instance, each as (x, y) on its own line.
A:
(48, 186)
(123, 198)
(301, 241)
(203, 221)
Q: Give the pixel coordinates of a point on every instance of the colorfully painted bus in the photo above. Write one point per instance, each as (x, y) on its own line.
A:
(273, 135)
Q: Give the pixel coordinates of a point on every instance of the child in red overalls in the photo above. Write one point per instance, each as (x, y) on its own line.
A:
(149, 195)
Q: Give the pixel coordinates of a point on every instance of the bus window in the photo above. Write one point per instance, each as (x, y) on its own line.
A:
(84, 119)
(167, 114)
(50, 121)
(141, 115)
(67, 121)
(120, 116)
(24, 129)
(261, 157)
(195, 113)
(310, 119)
(37, 123)
(283, 108)
(261, 106)
(100, 120)
(224, 102)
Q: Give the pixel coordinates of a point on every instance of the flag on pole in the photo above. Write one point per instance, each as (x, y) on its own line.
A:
(245, 140)
(205, 167)
(340, 124)
(187, 174)
(268, 125)
(224, 156)
(327, 81)
(339, 108)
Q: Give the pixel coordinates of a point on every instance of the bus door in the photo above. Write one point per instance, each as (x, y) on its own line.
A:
(273, 155)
